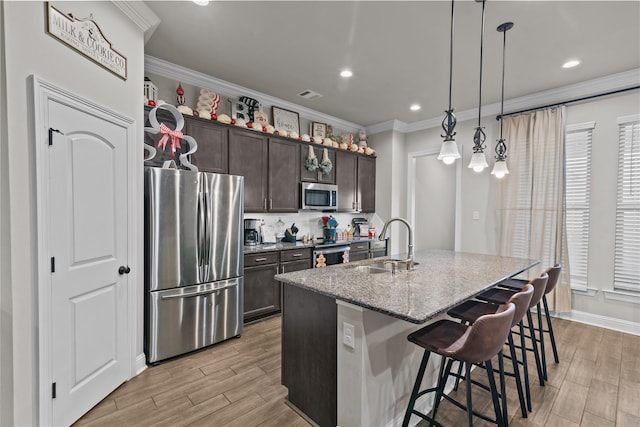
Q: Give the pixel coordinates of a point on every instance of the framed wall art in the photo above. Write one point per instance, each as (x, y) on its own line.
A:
(318, 129)
(285, 119)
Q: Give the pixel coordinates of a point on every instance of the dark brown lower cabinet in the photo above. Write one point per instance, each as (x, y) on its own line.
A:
(261, 290)
(309, 353)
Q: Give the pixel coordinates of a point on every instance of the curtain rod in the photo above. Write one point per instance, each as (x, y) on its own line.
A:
(498, 117)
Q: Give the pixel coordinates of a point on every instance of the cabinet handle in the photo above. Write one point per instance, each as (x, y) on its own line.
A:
(359, 247)
(265, 204)
(296, 255)
(270, 204)
(260, 259)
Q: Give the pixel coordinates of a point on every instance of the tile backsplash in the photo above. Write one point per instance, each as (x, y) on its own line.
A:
(311, 222)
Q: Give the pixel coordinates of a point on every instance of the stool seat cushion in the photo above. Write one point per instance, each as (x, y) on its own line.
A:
(496, 295)
(438, 335)
(515, 284)
(470, 310)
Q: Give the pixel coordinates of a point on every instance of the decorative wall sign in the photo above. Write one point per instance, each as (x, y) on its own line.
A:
(285, 120)
(84, 36)
(318, 129)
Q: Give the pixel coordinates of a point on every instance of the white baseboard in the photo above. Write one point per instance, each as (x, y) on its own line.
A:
(141, 364)
(602, 321)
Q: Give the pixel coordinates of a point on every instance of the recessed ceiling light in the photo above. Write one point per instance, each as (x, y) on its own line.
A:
(415, 107)
(572, 63)
(201, 2)
(346, 73)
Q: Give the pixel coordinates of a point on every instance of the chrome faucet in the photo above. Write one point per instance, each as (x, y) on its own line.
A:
(409, 260)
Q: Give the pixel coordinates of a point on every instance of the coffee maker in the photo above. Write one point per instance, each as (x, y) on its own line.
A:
(358, 224)
(251, 231)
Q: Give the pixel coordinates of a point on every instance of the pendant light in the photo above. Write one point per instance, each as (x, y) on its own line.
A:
(500, 167)
(478, 160)
(449, 150)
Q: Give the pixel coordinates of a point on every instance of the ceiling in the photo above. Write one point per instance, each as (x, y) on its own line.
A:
(398, 51)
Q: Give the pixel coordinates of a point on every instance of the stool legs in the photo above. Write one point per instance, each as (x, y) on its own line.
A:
(536, 354)
(494, 394)
(525, 365)
(516, 374)
(416, 388)
(550, 329)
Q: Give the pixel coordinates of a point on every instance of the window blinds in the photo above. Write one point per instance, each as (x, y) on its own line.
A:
(577, 197)
(627, 250)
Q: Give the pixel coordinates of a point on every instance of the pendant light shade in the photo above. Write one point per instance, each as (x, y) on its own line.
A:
(449, 150)
(478, 160)
(500, 168)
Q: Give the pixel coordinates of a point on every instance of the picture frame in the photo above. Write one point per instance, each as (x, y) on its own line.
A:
(318, 130)
(285, 120)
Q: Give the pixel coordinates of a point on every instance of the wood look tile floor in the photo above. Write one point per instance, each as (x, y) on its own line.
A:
(237, 383)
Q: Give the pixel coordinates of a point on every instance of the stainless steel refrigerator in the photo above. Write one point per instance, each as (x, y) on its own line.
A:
(194, 261)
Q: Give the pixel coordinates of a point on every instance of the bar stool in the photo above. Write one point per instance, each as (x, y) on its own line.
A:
(477, 343)
(470, 310)
(501, 296)
(516, 284)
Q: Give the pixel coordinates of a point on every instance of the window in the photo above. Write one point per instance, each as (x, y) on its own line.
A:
(626, 273)
(577, 196)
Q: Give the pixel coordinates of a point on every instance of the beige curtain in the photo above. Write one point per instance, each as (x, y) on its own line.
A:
(530, 199)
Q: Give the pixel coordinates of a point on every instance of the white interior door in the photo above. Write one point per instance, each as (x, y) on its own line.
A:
(88, 223)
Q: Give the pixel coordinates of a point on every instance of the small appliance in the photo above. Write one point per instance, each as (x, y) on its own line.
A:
(251, 231)
(360, 227)
(322, 197)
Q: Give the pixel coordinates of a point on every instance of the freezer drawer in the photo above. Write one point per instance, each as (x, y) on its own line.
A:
(186, 319)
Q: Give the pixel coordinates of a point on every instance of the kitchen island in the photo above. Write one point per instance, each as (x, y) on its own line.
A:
(345, 357)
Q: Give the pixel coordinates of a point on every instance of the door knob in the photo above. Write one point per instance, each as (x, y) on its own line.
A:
(124, 270)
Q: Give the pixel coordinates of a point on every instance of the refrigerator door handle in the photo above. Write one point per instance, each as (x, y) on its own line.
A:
(206, 195)
(198, 293)
(200, 237)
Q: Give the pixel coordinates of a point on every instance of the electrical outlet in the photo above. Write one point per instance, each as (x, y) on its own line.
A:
(348, 335)
(476, 215)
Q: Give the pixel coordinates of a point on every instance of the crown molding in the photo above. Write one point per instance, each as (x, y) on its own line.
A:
(612, 82)
(225, 88)
(141, 15)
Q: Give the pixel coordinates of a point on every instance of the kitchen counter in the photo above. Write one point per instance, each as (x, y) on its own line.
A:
(281, 246)
(346, 359)
(442, 280)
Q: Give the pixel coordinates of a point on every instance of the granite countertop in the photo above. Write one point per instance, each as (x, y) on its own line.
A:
(281, 246)
(442, 280)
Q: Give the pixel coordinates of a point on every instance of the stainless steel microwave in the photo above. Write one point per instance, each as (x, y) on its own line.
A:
(322, 197)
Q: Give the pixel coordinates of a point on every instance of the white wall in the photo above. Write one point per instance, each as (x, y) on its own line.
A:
(478, 194)
(603, 206)
(29, 50)
(6, 347)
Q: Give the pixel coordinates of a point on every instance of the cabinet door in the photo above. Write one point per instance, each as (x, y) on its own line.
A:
(284, 178)
(305, 175)
(317, 175)
(248, 153)
(366, 184)
(329, 178)
(213, 143)
(346, 174)
(261, 292)
(288, 267)
(358, 256)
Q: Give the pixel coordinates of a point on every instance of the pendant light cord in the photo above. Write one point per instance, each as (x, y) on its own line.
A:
(504, 49)
(481, 45)
(451, 55)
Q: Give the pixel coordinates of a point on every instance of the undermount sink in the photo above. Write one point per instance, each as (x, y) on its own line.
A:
(383, 267)
(369, 269)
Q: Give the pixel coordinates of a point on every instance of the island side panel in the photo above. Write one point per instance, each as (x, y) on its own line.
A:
(375, 378)
(309, 366)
